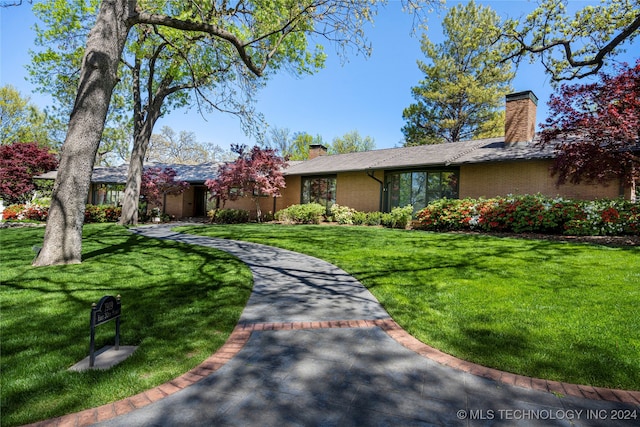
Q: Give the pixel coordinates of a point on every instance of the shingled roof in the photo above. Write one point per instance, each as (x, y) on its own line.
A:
(193, 174)
(450, 154)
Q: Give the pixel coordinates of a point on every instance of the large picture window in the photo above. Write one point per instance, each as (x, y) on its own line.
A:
(319, 189)
(419, 188)
(108, 194)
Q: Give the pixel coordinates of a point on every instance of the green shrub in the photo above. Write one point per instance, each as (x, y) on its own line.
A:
(398, 217)
(359, 218)
(373, 218)
(309, 213)
(228, 216)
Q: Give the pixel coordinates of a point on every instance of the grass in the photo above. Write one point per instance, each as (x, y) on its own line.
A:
(553, 310)
(179, 305)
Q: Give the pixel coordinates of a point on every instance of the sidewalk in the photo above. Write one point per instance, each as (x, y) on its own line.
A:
(313, 347)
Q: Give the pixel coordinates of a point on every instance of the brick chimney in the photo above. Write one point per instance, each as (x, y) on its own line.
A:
(316, 150)
(520, 117)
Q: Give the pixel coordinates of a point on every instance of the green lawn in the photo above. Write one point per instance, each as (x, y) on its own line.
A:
(567, 312)
(179, 304)
(554, 310)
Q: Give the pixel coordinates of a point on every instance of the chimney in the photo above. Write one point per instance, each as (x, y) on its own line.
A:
(316, 150)
(520, 117)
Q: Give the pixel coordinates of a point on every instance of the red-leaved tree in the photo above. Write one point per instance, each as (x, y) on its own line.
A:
(255, 173)
(597, 130)
(158, 182)
(19, 163)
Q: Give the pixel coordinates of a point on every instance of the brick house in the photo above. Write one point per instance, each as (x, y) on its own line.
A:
(380, 180)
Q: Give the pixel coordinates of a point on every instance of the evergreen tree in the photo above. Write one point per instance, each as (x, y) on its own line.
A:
(462, 94)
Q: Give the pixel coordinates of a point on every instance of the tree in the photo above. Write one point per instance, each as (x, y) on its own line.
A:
(61, 31)
(351, 142)
(182, 148)
(261, 35)
(462, 94)
(596, 130)
(19, 163)
(264, 36)
(21, 121)
(158, 182)
(573, 47)
(256, 172)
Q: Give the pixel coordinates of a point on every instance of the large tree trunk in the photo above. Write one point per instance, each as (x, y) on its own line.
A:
(98, 76)
(136, 164)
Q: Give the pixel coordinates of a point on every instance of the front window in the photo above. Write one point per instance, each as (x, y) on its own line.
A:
(419, 188)
(319, 189)
(108, 194)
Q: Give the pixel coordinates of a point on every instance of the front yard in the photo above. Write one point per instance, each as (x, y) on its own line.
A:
(550, 309)
(547, 309)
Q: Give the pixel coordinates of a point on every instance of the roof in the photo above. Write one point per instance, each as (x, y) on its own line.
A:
(449, 154)
(193, 174)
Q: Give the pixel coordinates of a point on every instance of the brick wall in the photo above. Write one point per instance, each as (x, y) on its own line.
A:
(359, 191)
(520, 117)
(530, 177)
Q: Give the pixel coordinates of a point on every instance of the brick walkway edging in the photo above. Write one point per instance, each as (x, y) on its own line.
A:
(242, 332)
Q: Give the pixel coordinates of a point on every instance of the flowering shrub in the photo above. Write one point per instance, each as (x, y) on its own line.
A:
(35, 212)
(342, 214)
(13, 212)
(532, 213)
(102, 213)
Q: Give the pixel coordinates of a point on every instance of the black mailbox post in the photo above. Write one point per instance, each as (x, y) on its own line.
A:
(108, 308)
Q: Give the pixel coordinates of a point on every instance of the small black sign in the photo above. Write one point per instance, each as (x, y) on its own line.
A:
(108, 308)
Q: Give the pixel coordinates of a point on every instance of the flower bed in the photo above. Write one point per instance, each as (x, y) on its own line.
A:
(532, 214)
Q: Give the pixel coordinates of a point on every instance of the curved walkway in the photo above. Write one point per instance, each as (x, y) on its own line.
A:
(313, 347)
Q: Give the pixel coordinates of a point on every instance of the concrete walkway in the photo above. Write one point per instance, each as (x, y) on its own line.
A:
(314, 348)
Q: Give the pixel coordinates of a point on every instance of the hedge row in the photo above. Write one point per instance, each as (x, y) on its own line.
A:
(314, 213)
(532, 214)
(33, 212)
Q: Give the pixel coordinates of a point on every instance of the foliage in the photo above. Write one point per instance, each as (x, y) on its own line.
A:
(342, 214)
(594, 128)
(102, 213)
(228, 216)
(532, 214)
(179, 304)
(571, 47)
(22, 121)
(534, 307)
(158, 182)
(40, 212)
(399, 217)
(351, 142)
(308, 213)
(462, 94)
(19, 163)
(182, 148)
(256, 172)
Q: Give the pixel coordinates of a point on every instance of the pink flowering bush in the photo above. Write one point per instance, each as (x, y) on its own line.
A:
(532, 214)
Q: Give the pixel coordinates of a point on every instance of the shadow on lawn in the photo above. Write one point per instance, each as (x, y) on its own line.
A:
(179, 305)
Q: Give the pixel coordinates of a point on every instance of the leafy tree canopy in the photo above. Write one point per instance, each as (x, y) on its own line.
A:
(183, 148)
(19, 163)
(462, 94)
(572, 46)
(596, 129)
(351, 142)
(22, 121)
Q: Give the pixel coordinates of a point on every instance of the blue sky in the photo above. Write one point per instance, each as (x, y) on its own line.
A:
(363, 94)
